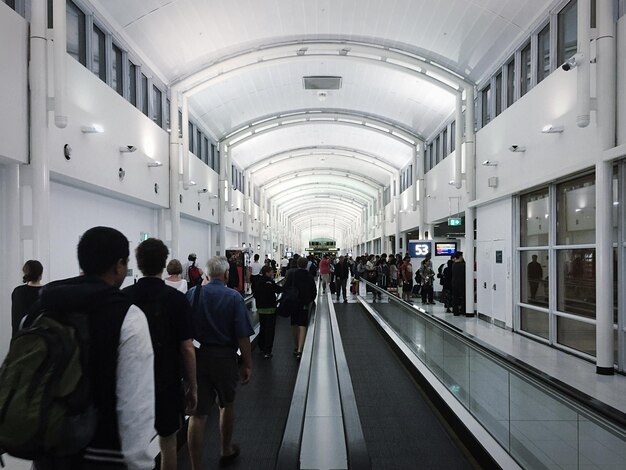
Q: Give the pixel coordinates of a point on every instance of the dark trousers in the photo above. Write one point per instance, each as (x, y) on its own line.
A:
(267, 329)
(534, 285)
(341, 287)
(458, 302)
(427, 293)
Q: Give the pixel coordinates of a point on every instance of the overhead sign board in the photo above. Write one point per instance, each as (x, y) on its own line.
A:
(455, 222)
(419, 249)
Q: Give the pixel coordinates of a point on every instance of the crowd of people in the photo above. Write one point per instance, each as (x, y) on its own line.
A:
(138, 362)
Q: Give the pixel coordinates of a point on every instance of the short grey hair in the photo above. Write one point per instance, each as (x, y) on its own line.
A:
(217, 266)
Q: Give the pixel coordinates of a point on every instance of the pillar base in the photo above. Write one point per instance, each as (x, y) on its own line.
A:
(605, 370)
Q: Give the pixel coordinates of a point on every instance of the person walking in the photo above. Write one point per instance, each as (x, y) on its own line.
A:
(301, 281)
(427, 276)
(221, 326)
(407, 279)
(458, 284)
(324, 271)
(446, 284)
(265, 295)
(24, 297)
(341, 277)
(174, 279)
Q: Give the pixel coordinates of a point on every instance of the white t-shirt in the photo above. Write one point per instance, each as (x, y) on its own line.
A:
(178, 285)
(255, 268)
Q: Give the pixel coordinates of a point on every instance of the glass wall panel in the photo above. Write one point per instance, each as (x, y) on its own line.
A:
(525, 70)
(452, 136)
(535, 218)
(190, 136)
(167, 114)
(444, 144)
(576, 282)
(98, 64)
(197, 147)
(510, 83)
(76, 36)
(486, 98)
(543, 53)
(116, 70)
(132, 83)
(567, 32)
(534, 278)
(576, 211)
(157, 106)
(576, 334)
(535, 322)
(498, 94)
(144, 94)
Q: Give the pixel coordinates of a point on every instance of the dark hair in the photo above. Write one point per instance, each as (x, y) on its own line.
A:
(151, 255)
(256, 257)
(302, 262)
(100, 248)
(32, 270)
(265, 269)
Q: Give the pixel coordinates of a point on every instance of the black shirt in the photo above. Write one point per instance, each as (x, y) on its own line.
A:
(22, 299)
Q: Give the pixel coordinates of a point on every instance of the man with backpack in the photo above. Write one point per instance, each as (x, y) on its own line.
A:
(171, 329)
(192, 273)
(104, 370)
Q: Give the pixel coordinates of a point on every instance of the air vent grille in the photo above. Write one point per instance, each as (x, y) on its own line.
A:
(322, 83)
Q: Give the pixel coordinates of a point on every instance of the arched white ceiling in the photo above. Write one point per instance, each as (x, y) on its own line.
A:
(258, 53)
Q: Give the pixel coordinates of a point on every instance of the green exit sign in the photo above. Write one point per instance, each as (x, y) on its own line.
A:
(454, 222)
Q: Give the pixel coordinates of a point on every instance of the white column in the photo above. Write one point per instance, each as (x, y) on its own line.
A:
(458, 137)
(39, 162)
(223, 192)
(421, 181)
(13, 255)
(606, 82)
(184, 127)
(247, 207)
(60, 56)
(470, 213)
(174, 174)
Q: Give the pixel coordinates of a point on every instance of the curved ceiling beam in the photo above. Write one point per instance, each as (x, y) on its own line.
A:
(323, 188)
(371, 122)
(322, 171)
(384, 56)
(333, 219)
(322, 150)
(296, 205)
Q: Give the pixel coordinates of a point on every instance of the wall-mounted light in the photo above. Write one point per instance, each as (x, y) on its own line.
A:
(92, 129)
(127, 149)
(154, 164)
(550, 129)
(192, 183)
(203, 190)
(451, 183)
(517, 148)
(490, 163)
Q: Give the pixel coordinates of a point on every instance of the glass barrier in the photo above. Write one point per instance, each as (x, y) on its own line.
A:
(530, 418)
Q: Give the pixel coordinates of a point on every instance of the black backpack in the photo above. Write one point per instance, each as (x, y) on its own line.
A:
(46, 407)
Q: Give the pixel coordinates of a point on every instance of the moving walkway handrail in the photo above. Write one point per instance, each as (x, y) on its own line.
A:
(586, 404)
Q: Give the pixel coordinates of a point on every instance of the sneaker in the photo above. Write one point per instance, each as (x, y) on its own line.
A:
(448, 310)
(226, 460)
(267, 356)
(298, 356)
(345, 301)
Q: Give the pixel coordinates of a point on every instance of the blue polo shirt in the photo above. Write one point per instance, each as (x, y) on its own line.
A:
(221, 317)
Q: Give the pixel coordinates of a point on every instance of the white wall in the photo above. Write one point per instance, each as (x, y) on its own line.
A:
(205, 178)
(14, 91)
(195, 237)
(495, 227)
(66, 227)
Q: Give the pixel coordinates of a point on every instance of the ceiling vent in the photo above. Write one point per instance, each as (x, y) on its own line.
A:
(322, 83)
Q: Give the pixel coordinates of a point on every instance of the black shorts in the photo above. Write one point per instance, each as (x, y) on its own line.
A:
(300, 317)
(168, 411)
(217, 372)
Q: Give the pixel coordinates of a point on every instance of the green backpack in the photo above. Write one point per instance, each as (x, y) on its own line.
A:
(45, 398)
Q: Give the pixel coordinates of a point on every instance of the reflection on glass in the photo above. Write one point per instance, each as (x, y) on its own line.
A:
(525, 70)
(543, 53)
(534, 277)
(567, 30)
(75, 34)
(576, 209)
(576, 282)
(116, 70)
(535, 218)
(576, 334)
(534, 322)
(98, 57)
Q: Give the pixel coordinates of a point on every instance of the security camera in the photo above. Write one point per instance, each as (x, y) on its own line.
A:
(127, 148)
(572, 62)
(203, 190)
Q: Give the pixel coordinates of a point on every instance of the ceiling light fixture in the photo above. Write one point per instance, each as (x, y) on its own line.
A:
(321, 95)
(550, 129)
(93, 129)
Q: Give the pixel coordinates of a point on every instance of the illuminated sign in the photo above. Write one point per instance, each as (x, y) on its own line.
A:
(455, 222)
(419, 249)
(445, 248)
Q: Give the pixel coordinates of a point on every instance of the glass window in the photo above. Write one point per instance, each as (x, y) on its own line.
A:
(144, 94)
(180, 123)
(486, 98)
(76, 36)
(534, 278)
(132, 83)
(567, 32)
(577, 335)
(10, 3)
(525, 70)
(218, 162)
(168, 108)
(198, 143)
(510, 83)
(534, 322)
(452, 136)
(98, 65)
(205, 150)
(190, 136)
(543, 53)
(498, 94)
(116, 70)
(576, 282)
(213, 157)
(157, 106)
(444, 143)
(576, 211)
(437, 158)
(535, 218)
